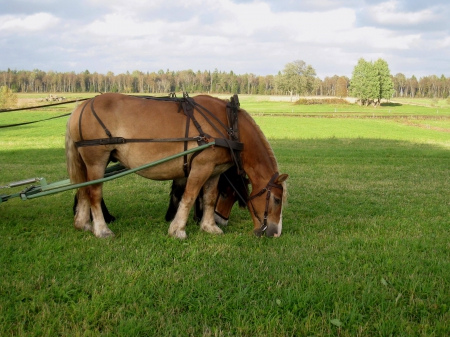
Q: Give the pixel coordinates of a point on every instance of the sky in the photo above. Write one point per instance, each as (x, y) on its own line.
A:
(243, 36)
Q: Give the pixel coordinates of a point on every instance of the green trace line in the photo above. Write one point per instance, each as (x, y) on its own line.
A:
(57, 189)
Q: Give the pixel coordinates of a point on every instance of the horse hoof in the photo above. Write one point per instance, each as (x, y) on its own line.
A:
(179, 235)
(105, 234)
(83, 227)
(212, 229)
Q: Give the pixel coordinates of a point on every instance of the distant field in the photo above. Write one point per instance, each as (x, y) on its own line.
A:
(429, 102)
(268, 105)
(364, 250)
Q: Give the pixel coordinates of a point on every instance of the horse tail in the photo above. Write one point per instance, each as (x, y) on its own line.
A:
(75, 164)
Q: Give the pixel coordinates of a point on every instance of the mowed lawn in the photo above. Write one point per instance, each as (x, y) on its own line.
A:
(364, 251)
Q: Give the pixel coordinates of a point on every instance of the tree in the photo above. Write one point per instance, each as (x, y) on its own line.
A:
(371, 82)
(364, 84)
(384, 79)
(413, 84)
(8, 99)
(341, 87)
(400, 84)
(297, 77)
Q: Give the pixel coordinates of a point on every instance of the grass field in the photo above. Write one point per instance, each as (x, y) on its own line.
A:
(364, 250)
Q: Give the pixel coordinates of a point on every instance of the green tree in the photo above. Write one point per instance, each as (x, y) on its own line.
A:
(8, 99)
(297, 77)
(365, 84)
(384, 79)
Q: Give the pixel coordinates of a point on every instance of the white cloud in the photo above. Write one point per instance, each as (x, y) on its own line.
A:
(388, 13)
(34, 22)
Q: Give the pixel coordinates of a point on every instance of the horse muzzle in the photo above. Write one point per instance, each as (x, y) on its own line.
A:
(272, 230)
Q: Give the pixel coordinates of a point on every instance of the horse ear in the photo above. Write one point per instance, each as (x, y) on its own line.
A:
(281, 178)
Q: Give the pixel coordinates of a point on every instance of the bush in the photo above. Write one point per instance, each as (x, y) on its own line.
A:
(312, 101)
(8, 99)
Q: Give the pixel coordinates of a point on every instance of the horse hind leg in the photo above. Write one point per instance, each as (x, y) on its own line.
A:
(82, 210)
(109, 218)
(99, 226)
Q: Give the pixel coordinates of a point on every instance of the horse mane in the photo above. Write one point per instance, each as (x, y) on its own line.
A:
(268, 147)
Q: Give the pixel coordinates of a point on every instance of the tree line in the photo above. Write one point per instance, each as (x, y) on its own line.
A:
(297, 78)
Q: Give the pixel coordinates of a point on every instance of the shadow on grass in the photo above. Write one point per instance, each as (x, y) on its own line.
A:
(390, 104)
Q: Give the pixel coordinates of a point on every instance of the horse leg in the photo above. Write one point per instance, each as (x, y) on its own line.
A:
(196, 180)
(176, 193)
(210, 191)
(109, 218)
(81, 210)
(99, 226)
(198, 208)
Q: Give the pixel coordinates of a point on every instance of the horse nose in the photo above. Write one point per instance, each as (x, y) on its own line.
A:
(273, 231)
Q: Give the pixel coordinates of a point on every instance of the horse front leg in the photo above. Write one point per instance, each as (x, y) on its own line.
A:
(195, 181)
(210, 191)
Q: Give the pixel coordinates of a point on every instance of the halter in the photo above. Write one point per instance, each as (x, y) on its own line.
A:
(270, 184)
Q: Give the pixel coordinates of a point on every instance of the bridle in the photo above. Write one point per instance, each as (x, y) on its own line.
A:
(270, 184)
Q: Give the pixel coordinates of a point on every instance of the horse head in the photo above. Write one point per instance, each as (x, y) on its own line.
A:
(266, 206)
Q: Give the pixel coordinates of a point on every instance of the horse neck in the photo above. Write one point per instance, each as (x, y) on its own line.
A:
(258, 159)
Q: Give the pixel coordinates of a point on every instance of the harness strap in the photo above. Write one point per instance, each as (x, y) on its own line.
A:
(233, 145)
(121, 140)
(234, 188)
(188, 122)
(79, 120)
(233, 132)
(188, 110)
(108, 133)
(203, 111)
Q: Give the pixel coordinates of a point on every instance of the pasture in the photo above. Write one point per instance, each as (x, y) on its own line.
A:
(364, 250)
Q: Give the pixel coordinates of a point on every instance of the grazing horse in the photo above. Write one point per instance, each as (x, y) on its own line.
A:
(136, 131)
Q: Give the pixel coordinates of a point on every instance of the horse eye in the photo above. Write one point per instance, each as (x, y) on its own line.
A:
(277, 201)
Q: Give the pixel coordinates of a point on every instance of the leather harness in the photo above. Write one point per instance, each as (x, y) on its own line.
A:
(187, 105)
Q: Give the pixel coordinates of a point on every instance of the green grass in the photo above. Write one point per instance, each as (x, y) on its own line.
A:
(364, 249)
(429, 102)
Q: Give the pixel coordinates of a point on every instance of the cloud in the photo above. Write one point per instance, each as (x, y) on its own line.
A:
(30, 23)
(393, 14)
(257, 36)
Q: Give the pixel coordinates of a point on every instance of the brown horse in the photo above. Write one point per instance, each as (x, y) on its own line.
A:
(137, 131)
